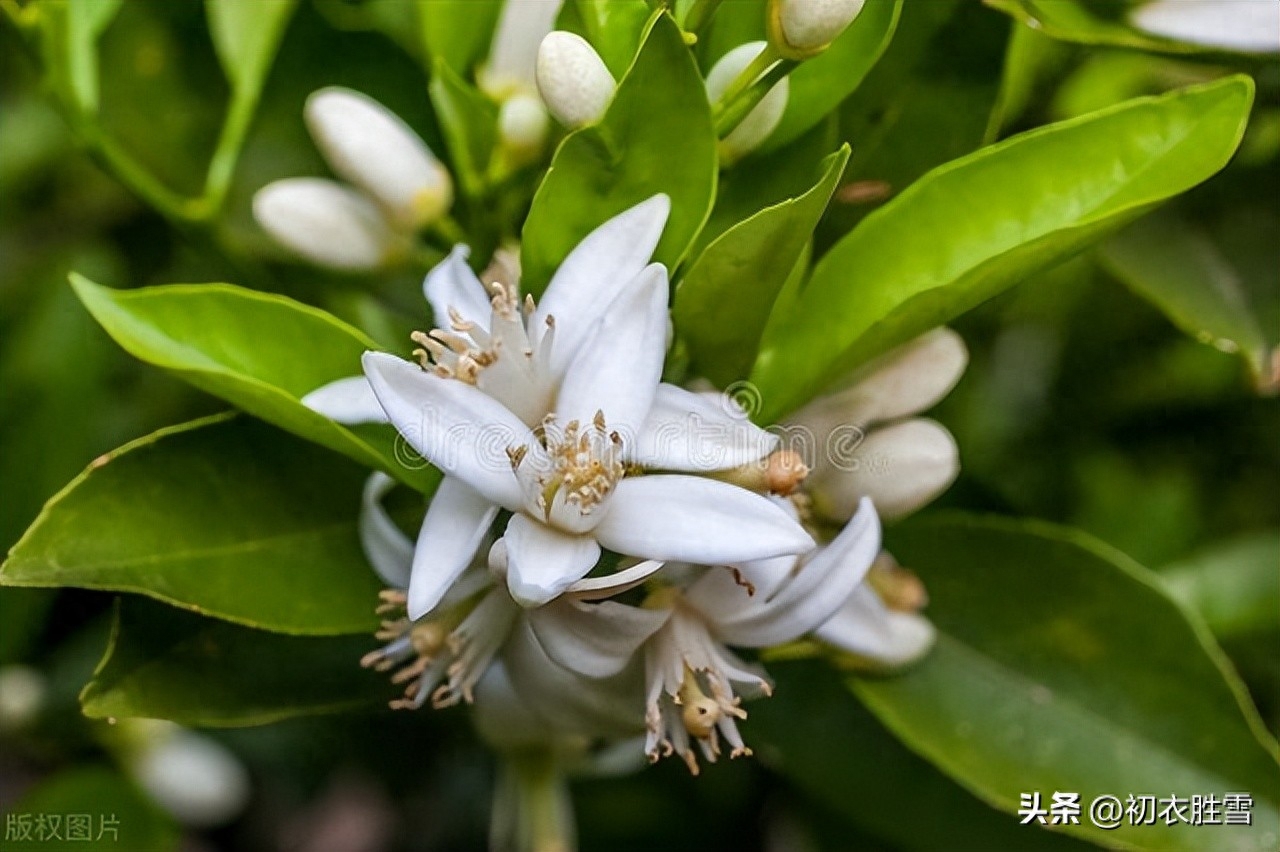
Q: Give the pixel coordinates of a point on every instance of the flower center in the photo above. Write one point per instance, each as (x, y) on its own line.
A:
(583, 464)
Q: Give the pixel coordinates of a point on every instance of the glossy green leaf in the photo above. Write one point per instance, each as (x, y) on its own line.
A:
(655, 137)
(246, 34)
(724, 299)
(976, 226)
(260, 352)
(1059, 666)
(815, 733)
(458, 32)
(1180, 270)
(1235, 586)
(163, 663)
(96, 809)
(225, 516)
(69, 43)
(469, 121)
(1084, 22)
(820, 84)
(614, 28)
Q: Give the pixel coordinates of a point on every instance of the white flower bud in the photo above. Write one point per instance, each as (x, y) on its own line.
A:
(374, 149)
(22, 692)
(762, 120)
(191, 776)
(513, 54)
(522, 126)
(900, 467)
(803, 28)
(573, 80)
(1250, 26)
(327, 224)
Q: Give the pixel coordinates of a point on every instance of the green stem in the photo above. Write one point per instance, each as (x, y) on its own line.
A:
(700, 15)
(730, 113)
(532, 808)
(748, 75)
(222, 166)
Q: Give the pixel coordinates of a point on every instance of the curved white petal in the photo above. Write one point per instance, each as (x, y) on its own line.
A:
(596, 588)
(452, 284)
(451, 533)
(865, 626)
(618, 368)
(800, 605)
(688, 431)
(594, 640)
(348, 401)
(388, 550)
(900, 467)
(694, 519)
(542, 562)
(596, 271)
(502, 718)
(456, 427)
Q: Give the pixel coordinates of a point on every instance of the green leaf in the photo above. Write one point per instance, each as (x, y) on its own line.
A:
(1084, 22)
(656, 136)
(225, 516)
(163, 663)
(723, 301)
(260, 352)
(245, 36)
(974, 227)
(1180, 270)
(458, 32)
(469, 121)
(1061, 666)
(115, 813)
(820, 84)
(1235, 586)
(614, 28)
(815, 733)
(69, 43)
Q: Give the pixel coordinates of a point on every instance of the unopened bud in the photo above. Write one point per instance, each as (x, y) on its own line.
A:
(781, 472)
(327, 224)
(800, 29)
(764, 118)
(193, 777)
(522, 127)
(573, 80)
(371, 147)
(900, 589)
(22, 694)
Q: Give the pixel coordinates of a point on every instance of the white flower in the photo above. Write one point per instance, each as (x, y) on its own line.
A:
(573, 80)
(1252, 26)
(372, 148)
(327, 224)
(802, 28)
(866, 444)
(764, 118)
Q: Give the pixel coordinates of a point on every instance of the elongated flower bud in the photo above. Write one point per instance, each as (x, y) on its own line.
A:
(327, 224)
(371, 147)
(799, 29)
(194, 778)
(522, 127)
(573, 80)
(762, 120)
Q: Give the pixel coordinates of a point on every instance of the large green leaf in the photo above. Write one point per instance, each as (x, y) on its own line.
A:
(163, 663)
(1235, 585)
(724, 299)
(95, 808)
(225, 516)
(1061, 667)
(1165, 259)
(821, 738)
(613, 27)
(260, 352)
(820, 84)
(974, 227)
(656, 136)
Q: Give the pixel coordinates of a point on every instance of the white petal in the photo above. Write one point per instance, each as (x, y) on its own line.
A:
(597, 588)
(905, 381)
(1252, 26)
(388, 550)
(513, 54)
(618, 368)
(808, 600)
(573, 80)
(452, 284)
(694, 519)
(502, 717)
(542, 562)
(900, 467)
(596, 272)
(374, 149)
(593, 640)
(456, 427)
(865, 626)
(697, 432)
(451, 533)
(327, 224)
(347, 401)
